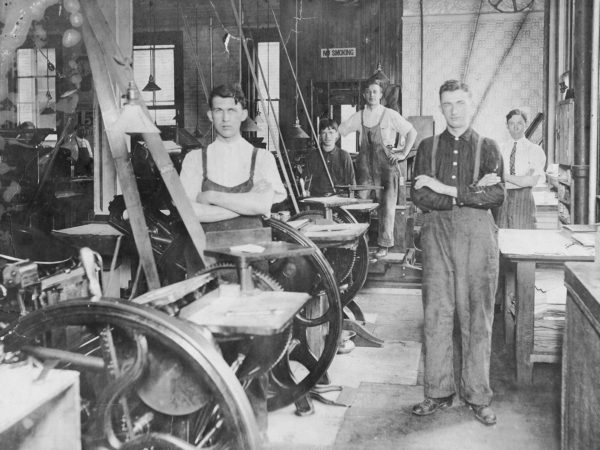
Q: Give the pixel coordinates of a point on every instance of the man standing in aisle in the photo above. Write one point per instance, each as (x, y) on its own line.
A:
(460, 253)
(378, 160)
(524, 164)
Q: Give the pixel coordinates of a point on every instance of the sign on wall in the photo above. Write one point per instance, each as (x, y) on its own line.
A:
(349, 52)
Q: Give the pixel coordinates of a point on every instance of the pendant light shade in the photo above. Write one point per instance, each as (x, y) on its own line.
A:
(134, 119)
(249, 125)
(47, 111)
(7, 105)
(379, 75)
(297, 132)
(151, 86)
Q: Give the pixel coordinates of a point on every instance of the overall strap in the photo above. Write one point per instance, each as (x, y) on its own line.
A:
(253, 163)
(436, 140)
(204, 163)
(362, 117)
(381, 118)
(477, 160)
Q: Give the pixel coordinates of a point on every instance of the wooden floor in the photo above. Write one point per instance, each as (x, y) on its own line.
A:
(380, 385)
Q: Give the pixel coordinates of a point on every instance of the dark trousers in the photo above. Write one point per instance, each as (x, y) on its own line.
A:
(460, 270)
(518, 210)
(387, 176)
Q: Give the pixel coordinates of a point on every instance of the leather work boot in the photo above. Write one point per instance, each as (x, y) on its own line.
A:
(484, 413)
(431, 405)
(381, 252)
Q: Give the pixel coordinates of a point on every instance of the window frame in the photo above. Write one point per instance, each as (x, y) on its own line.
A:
(167, 38)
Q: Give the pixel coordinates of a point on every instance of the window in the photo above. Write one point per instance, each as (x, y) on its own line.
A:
(268, 57)
(348, 141)
(36, 87)
(159, 61)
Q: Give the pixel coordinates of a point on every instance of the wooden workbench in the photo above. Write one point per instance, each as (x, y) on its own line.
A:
(521, 251)
(580, 405)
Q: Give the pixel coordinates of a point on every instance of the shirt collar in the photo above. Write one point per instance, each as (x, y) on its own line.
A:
(466, 136)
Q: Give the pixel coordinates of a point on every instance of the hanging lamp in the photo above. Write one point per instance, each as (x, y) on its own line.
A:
(296, 131)
(48, 110)
(379, 75)
(249, 125)
(133, 118)
(151, 86)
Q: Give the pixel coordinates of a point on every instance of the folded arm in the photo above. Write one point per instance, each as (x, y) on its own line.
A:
(258, 201)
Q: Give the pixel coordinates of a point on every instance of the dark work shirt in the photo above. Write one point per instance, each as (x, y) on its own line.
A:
(455, 158)
(340, 167)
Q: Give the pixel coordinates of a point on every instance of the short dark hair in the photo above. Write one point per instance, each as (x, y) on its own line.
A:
(516, 112)
(374, 81)
(327, 123)
(454, 85)
(228, 91)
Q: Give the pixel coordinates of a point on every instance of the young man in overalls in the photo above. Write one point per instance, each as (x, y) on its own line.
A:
(377, 162)
(231, 185)
(457, 181)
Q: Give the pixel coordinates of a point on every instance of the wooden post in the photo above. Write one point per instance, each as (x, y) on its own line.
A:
(109, 105)
(119, 67)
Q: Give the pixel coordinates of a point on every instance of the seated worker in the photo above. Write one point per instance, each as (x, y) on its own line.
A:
(338, 162)
(377, 162)
(524, 164)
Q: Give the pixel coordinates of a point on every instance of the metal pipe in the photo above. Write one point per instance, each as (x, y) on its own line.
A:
(581, 81)
(76, 359)
(210, 38)
(312, 128)
(262, 102)
(468, 58)
(594, 112)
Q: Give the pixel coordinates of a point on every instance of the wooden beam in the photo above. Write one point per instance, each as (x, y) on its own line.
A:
(108, 100)
(119, 67)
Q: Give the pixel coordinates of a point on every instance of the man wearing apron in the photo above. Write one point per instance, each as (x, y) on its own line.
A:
(377, 162)
(231, 185)
(457, 181)
(524, 164)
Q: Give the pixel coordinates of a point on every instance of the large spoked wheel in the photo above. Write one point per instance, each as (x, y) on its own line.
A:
(360, 269)
(144, 376)
(317, 327)
(356, 261)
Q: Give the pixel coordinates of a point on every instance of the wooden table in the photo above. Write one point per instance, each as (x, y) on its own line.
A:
(521, 251)
(580, 405)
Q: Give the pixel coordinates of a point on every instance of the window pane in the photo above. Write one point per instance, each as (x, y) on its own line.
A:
(348, 141)
(263, 130)
(25, 113)
(26, 87)
(164, 71)
(164, 116)
(268, 56)
(25, 62)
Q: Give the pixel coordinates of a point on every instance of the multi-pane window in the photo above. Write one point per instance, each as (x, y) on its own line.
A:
(36, 87)
(268, 57)
(158, 61)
